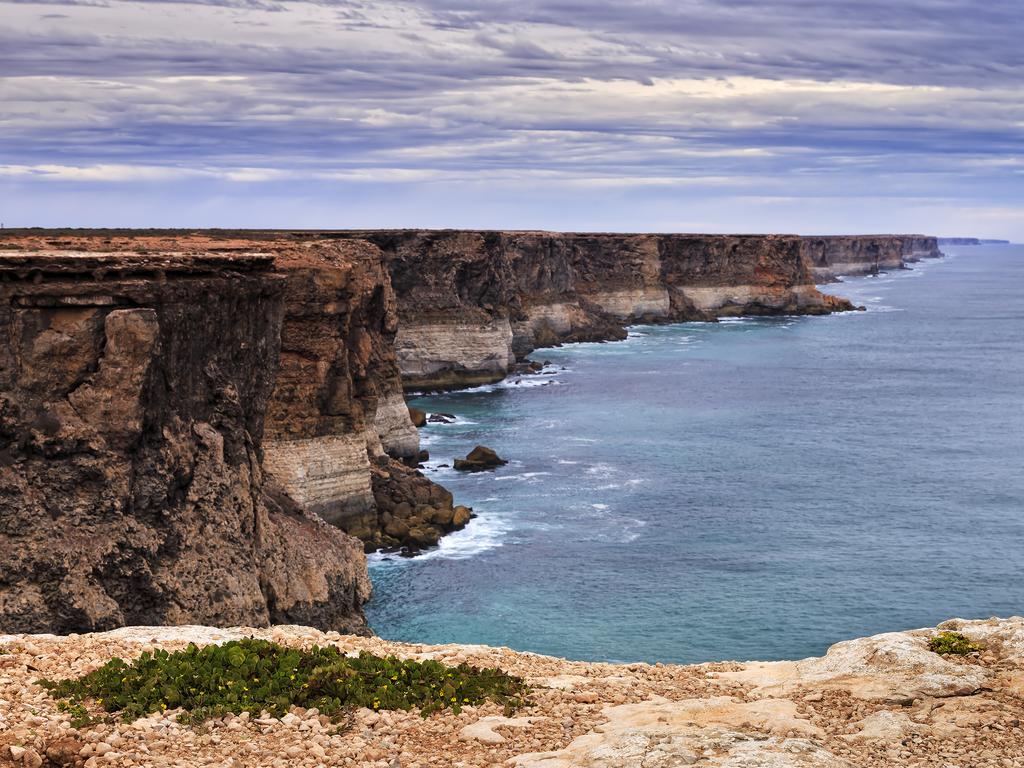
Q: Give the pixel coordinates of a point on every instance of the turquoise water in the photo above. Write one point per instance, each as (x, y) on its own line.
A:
(757, 488)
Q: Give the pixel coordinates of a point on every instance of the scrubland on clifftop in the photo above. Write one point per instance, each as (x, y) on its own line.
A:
(875, 702)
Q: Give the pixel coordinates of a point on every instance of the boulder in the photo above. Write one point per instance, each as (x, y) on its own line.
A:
(443, 516)
(479, 459)
(418, 417)
(461, 516)
(424, 536)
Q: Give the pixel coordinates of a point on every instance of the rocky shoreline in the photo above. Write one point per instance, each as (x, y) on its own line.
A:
(875, 702)
(210, 427)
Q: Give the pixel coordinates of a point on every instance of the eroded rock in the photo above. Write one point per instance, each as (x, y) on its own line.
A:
(479, 459)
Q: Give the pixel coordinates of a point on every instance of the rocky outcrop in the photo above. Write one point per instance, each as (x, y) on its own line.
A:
(833, 257)
(412, 513)
(479, 459)
(470, 303)
(134, 390)
(876, 702)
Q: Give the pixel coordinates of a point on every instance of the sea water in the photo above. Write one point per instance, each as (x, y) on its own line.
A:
(754, 488)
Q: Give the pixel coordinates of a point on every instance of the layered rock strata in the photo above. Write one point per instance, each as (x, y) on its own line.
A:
(875, 702)
(133, 395)
(470, 303)
(833, 257)
(337, 402)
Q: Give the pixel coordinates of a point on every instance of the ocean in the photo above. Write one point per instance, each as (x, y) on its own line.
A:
(758, 488)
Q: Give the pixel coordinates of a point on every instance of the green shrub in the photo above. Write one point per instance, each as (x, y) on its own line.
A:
(253, 676)
(953, 643)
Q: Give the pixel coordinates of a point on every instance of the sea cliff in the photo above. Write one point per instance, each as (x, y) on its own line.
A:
(133, 396)
(471, 303)
(191, 423)
(833, 257)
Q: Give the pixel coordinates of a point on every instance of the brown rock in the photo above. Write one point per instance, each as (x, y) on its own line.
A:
(397, 529)
(442, 516)
(64, 751)
(424, 536)
(461, 516)
(136, 493)
(419, 418)
(480, 458)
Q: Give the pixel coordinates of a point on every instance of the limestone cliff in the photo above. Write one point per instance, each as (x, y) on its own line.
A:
(339, 435)
(470, 303)
(334, 434)
(832, 257)
(337, 402)
(133, 394)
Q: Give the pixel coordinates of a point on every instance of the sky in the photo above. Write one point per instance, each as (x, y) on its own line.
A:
(800, 116)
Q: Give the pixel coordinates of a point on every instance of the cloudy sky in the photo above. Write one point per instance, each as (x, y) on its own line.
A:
(810, 116)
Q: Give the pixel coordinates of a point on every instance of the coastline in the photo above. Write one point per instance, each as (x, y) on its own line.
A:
(280, 403)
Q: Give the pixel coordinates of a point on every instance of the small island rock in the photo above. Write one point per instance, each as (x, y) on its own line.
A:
(479, 459)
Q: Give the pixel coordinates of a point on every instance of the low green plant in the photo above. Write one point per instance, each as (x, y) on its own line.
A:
(953, 644)
(257, 676)
(80, 716)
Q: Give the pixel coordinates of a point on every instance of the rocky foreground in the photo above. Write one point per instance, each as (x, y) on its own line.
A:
(879, 701)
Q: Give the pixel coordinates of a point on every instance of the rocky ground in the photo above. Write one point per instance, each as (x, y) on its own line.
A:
(880, 701)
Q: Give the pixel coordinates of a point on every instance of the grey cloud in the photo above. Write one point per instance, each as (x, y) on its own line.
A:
(461, 92)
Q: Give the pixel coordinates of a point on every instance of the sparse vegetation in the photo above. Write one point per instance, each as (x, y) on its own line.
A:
(953, 644)
(257, 675)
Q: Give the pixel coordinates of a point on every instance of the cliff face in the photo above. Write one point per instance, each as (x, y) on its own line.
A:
(133, 393)
(337, 403)
(338, 431)
(296, 337)
(469, 303)
(831, 257)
